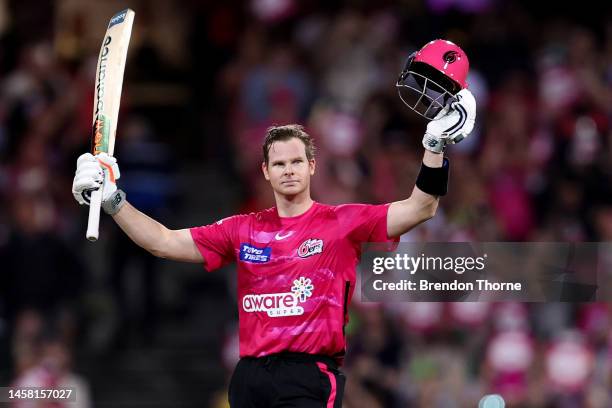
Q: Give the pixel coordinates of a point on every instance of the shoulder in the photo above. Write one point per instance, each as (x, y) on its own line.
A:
(269, 215)
(263, 215)
(245, 217)
(326, 210)
(358, 214)
(352, 208)
(237, 221)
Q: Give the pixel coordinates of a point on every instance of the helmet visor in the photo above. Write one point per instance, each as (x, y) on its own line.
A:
(423, 95)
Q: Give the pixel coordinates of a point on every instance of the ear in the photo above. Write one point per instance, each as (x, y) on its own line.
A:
(264, 168)
(312, 164)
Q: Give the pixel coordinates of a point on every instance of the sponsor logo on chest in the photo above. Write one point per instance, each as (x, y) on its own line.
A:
(310, 247)
(253, 254)
(280, 304)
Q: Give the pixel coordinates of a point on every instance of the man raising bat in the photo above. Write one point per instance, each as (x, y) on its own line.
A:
(296, 261)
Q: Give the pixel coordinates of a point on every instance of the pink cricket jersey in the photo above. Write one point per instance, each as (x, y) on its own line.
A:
(296, 275)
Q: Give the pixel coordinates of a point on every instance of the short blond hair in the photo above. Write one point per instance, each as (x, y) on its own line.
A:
(284, 133)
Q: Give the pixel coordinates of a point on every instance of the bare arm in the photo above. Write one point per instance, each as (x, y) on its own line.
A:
(450, 128)
(160, 241)
(419, 207)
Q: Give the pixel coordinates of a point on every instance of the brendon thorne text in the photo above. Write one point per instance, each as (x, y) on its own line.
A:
(425, 285)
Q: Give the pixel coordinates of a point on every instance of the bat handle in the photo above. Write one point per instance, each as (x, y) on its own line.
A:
(93, 221)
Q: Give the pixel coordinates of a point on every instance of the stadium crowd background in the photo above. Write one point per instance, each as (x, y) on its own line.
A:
(204, 80)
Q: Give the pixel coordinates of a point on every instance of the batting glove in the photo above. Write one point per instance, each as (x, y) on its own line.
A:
(92, 171)
(451, 126)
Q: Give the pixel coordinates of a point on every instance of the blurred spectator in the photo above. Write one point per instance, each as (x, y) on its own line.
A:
(42, 272)
(43, 360)
(148, 176)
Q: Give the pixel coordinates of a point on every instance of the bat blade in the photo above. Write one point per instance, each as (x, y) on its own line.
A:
(107, 97)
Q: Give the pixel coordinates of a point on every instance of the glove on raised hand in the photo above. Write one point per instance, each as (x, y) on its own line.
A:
(91, 172)
(451, 126)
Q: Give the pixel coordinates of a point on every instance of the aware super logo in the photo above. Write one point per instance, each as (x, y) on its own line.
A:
(280, 304)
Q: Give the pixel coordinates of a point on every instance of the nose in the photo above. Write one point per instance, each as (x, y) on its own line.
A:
(289, 169)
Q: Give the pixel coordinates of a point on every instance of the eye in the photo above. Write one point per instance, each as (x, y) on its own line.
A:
(297, 161)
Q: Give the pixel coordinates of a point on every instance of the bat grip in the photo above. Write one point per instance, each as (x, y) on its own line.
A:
(93, 221)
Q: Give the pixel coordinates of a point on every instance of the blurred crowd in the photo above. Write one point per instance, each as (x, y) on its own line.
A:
(536, 168)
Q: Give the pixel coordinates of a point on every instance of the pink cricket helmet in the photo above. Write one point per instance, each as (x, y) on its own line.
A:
(432, 77)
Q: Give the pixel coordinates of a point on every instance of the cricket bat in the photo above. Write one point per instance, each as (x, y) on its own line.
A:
(107, 96)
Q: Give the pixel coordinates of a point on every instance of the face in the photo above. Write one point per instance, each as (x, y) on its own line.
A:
(288, 170)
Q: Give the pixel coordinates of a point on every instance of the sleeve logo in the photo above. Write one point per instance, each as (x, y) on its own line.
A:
(253, 254)
(310, 247)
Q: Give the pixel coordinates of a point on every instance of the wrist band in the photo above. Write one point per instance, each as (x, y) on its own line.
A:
(434, 180)
(434, 144)
(114, 203)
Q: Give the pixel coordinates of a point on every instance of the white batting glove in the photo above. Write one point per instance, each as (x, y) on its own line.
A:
(450, 127)
(91, 172)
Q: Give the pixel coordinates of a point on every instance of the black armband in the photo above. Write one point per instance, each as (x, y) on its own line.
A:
(434, 180)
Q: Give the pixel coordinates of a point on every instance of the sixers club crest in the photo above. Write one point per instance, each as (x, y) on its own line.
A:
(450, 57)
(310, 247)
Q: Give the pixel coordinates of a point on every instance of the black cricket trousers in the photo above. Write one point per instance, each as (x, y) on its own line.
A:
(287, 380)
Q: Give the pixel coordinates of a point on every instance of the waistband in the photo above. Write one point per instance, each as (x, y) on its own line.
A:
(297, 357)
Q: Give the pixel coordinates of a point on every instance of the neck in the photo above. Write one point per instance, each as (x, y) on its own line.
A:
(292, 206)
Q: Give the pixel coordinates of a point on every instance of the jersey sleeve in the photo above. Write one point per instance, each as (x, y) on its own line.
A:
(364, 222)
(216, 242)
